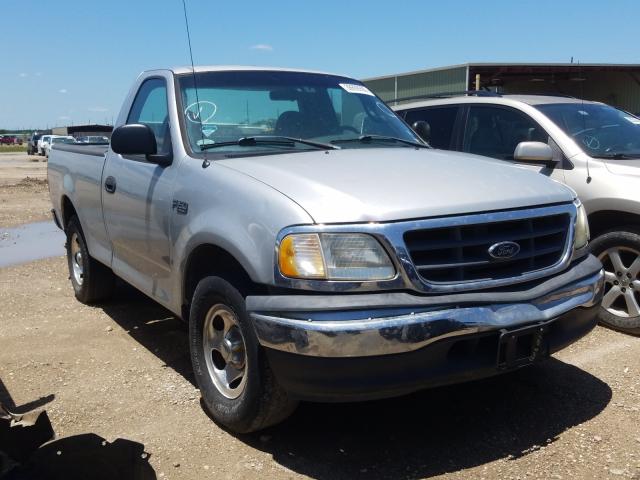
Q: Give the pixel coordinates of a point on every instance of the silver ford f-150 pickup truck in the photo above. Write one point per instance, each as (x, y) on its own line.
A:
(317, 248)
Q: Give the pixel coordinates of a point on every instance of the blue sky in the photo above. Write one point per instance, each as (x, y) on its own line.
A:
(73, 61)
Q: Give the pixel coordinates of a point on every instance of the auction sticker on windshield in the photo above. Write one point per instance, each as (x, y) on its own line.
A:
(353, 88)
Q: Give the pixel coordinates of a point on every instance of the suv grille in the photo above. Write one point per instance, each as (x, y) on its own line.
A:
(461, 253)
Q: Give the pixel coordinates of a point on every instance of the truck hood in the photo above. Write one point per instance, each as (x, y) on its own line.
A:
(386, 184)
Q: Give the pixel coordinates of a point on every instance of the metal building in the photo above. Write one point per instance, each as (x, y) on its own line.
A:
(84, 130)
(617, 85)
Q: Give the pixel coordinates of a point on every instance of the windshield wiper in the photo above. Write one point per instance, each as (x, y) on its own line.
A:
(381, 138)
(618, 156)
(270, 140)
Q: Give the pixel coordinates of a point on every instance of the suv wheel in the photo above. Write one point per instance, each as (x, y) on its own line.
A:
(233, 375)
(619, 252)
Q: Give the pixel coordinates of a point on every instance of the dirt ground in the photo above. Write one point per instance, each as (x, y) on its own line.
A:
(23, 189)
(122, 370)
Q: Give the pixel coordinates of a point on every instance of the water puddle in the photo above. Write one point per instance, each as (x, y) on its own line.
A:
(31, 241)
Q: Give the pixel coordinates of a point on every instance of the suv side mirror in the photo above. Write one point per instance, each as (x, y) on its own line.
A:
(534, 152)
(138, 139)
(423, 129)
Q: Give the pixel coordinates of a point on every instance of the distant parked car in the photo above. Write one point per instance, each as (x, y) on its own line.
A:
(8, 140)
(589, 146)
(93, 139)
(32, 143)
(57, 139)
(44, 140)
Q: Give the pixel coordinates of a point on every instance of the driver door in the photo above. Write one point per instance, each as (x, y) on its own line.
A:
(137, 199)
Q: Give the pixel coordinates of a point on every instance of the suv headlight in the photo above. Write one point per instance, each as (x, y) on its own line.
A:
(334, 256)
(581, 235)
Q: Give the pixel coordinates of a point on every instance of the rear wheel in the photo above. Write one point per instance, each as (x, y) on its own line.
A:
(619, 252)
(91, 280)
(237, 385)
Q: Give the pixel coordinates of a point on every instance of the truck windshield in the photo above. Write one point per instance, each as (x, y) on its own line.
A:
(322, 108)
(600, 130)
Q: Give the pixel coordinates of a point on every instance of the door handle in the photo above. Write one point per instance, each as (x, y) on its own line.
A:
(110, 185)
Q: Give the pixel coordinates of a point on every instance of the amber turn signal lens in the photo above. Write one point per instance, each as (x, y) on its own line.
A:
(300, 256)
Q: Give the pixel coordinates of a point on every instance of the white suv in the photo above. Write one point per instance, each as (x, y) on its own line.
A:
(589, 146)
(42, 143)
(57, 139)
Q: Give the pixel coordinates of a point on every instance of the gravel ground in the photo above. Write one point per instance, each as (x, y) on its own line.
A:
(122, 370)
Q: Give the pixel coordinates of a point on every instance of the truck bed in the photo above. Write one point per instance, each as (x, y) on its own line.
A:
(77, 170)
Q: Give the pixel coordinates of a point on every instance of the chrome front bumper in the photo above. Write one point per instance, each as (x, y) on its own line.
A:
(344, 332)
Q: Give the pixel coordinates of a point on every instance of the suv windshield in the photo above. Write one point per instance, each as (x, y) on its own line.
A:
(252, 104)
(600, 130)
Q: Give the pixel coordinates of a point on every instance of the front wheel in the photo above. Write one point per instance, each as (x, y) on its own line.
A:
(619, 252)
(237, 386)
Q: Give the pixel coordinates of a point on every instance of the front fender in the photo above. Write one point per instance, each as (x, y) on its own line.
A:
(234, 212)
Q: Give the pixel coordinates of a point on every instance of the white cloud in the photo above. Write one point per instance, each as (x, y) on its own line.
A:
(98, 109)
(63, 90)
(38, 74)
(263, 47)
(22, 74)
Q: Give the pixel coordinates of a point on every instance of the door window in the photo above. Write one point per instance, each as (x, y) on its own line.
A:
(150, 108)
(495, 131)
(441, 120)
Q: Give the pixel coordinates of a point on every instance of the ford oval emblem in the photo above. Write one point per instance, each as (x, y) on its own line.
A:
(504, 250)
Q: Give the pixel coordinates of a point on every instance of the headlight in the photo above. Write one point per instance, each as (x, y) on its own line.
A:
(581, 236)
(334, 256)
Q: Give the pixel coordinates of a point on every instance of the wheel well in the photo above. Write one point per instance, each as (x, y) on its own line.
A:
(600, 222)
(68, 211)
(211, 260)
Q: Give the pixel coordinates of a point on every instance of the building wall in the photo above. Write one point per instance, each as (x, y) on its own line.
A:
(619, 89)
(425, 83)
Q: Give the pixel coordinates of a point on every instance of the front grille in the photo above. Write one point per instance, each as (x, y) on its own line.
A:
(461, 253)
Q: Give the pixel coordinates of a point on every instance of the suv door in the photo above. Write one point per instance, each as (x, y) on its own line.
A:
(137, 199)
(495, 131)
(442, 121)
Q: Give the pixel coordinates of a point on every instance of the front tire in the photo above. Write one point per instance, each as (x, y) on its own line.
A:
(619, 252)
(238, 388)
(91, 280)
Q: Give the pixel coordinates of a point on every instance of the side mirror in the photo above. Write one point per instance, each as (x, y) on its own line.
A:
(138, 139)
(423, 129)
(534, 152)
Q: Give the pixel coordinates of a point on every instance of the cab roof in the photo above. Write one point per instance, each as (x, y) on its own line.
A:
(232, 68)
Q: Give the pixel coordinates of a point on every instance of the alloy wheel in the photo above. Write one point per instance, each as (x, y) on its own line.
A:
(622, 287)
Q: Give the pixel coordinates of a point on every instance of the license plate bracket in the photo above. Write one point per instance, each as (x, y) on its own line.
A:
(522, 346)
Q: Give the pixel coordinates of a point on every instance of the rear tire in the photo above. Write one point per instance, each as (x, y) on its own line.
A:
(91, 280)
(619, 250)
(238, 388)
